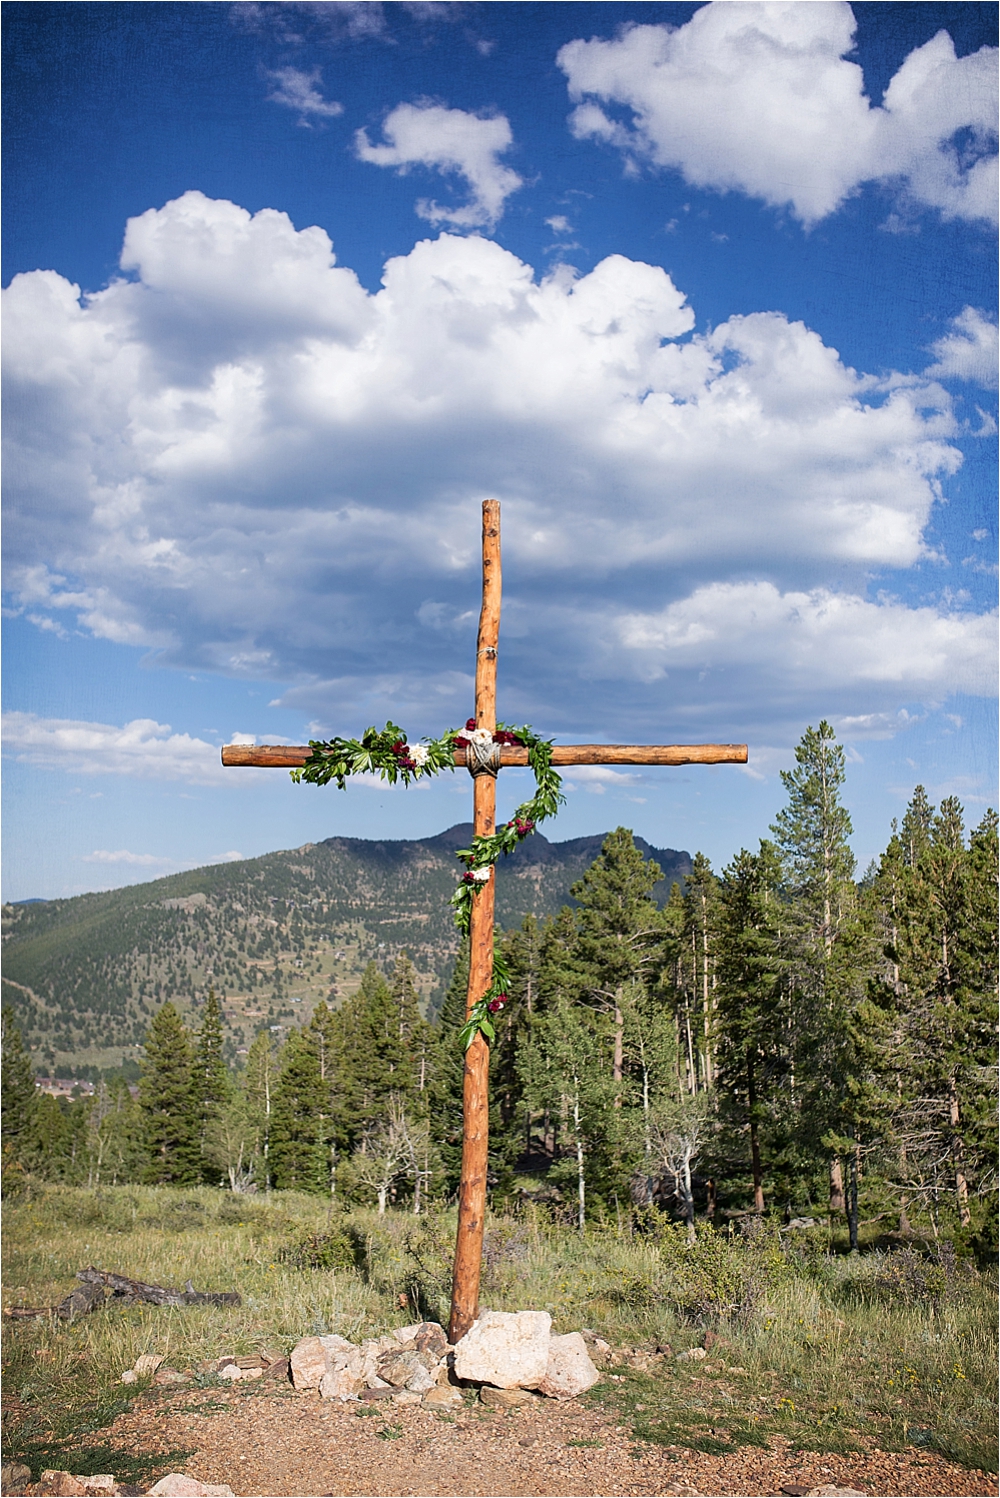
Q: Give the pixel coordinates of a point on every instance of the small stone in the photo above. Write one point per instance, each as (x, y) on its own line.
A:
(231, 1372)
(254, 1361)
(130, 1376)
(146, 1364)
(371, 1395)
(406, 1334)
(164, 1376)
(407, 1396)
(179, 1485)
(830, 1490)
(692, 1355)
(311, 1359)
(277, 1369)
(506, 1399)
(60, 1484)
(101, 1482)
(432, 1338)
(506, 1349)
(570, 1371)
(341, 1383)
(14, 1476)
(441, 1397)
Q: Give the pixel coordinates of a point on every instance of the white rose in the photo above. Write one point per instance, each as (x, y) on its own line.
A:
(420, 754)
(480, 736)
(481, 875)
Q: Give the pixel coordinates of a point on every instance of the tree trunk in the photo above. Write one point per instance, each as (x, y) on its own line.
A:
(852, 1198)
(836, 1186)
(581, 1187)
(618, 1062)
(755, 1165)
(957, 1154)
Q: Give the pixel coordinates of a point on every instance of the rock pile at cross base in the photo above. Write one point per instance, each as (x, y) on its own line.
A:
(511, 1355)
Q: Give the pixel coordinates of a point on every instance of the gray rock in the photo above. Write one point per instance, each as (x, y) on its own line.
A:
(509, 1349)
(14, 1477)
(570, 1371)
(693, 1355)
(312, 1358)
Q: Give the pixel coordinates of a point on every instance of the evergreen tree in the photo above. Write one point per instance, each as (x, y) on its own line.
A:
(376, 1048)
(621, 930)
(300, 1124)
(811, 834)
(447, 1074)
(18, 1099)
(169, 1103)
(210, 1083)
(754, 1054)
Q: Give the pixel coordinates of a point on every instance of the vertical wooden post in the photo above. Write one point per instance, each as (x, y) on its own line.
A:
(476, 1103)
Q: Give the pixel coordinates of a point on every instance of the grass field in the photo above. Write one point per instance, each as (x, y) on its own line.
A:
(829, 1351)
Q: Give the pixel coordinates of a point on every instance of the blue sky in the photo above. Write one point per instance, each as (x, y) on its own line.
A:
(703, 294)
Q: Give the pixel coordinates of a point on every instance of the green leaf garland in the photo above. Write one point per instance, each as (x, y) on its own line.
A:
(389, 754)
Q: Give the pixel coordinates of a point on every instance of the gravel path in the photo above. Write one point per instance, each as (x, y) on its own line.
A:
(290, 1446)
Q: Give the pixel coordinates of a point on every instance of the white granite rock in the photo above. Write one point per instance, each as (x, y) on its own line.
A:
(569, 1370)
(179, 1485)
(313, 1357)
(509, 1349)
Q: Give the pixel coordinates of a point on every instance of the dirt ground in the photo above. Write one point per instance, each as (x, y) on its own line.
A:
(293, 1446)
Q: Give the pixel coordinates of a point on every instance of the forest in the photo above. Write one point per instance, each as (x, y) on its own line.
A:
(780, 1037)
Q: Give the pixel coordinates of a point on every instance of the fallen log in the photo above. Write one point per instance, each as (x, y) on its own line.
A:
(90, 1295)
(158, 1295)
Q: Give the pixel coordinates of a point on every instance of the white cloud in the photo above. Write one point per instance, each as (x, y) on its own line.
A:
(244, 461)
(449, 141)
(969, 353)
(300, 91)
(818, 641)
(760, 99)
(105, 855)
(142, 749)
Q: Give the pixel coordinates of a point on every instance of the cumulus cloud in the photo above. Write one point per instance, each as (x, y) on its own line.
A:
(968, 353)
(449, 141)
(300, 91)
(760, 99)
(242, 460)
(142, 749)
(817, 639)
(122, 855)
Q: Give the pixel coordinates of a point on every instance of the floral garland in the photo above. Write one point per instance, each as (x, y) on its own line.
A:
(389, 754)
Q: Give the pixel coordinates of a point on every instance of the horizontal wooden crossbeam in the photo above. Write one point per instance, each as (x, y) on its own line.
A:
(291, 756)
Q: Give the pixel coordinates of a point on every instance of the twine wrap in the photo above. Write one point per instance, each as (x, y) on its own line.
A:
(482, 759)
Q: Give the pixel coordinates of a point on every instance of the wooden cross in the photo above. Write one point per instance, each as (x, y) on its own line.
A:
(475, 1136)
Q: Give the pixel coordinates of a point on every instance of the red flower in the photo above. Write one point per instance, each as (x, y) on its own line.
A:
(470, 724)
(495, 1005)
(461, 743)
(399, 747)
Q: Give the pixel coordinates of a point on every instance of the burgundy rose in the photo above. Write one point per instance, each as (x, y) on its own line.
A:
(495, 1005)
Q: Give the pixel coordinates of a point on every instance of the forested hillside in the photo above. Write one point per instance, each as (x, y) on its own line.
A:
(84, 976)
(777, 1036)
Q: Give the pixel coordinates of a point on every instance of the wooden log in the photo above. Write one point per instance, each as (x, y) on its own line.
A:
(290, 756)
(475, 1085)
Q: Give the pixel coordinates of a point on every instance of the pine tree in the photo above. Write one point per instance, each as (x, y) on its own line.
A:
(697, 964)
(18, 1098)
(621, 930)
(753, 1058)
(811, 834)
(447, 1074)
(300, 1125)
(169, 1103)
(210, 1083)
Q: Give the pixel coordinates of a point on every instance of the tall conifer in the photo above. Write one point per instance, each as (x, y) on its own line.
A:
(169, 1103)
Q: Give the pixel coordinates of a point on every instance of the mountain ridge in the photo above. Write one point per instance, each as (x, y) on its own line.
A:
(272, 935)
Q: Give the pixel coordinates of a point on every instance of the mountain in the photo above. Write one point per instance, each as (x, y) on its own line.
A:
(272, 935)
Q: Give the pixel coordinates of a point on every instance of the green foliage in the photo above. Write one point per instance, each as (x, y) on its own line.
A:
(169, 1102)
